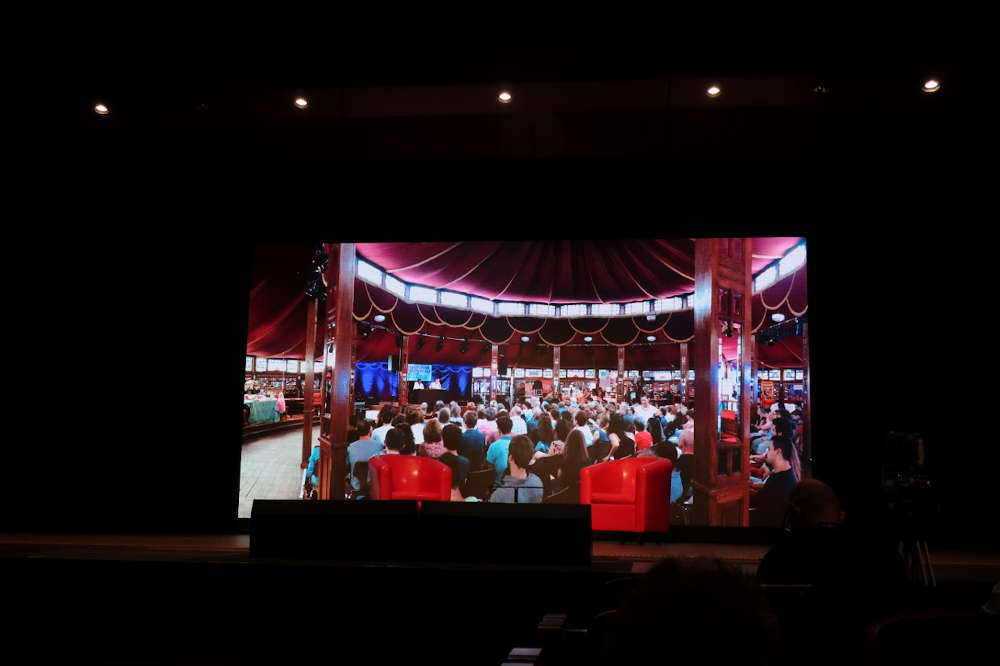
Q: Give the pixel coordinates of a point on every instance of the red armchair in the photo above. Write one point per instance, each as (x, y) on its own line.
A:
(630, 495)
(409, 477)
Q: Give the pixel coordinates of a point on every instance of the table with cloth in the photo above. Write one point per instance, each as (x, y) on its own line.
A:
(262, 411)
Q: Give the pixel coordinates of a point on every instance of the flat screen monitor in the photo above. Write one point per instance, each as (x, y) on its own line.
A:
(533, 372)
(418, 372)
(633, 374)
(292, 367)
(518, 372)
(774, 375)
(676, 374)
(275, 364)
(547, 373)
(661, 375)
(371, 415)
(799, 375)
(318, 367)
(249, 364)
(789, 375)
(591, 374)
(762, 374)
(477, 372)
(562, 373)
(690, 375)
(647, 374)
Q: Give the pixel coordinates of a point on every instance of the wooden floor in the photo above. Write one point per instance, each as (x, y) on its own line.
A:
(270, 468)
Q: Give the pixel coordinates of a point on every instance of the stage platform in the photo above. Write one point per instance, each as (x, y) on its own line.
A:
(606, 555)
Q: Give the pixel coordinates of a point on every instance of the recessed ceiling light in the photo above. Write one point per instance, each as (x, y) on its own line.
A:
(101, 109)
(713, 91)
(777, 316)
(504, 97)
(651, 338)
(301, 102)
(932, 85)
(819, 90)
(588, 339)
(650, 317)
(379, 317)
(524, 338)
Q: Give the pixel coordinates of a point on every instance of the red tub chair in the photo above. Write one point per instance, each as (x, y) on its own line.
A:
(409, 478)
(630, 495)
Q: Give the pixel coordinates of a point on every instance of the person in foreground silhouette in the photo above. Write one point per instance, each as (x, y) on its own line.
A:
(691, 611)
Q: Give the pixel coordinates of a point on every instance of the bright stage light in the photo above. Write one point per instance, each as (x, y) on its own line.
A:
(713, 91)
(101, 109)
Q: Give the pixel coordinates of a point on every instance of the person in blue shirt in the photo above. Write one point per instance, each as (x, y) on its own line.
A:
(497, 454)
(473, 445)
(362, 450)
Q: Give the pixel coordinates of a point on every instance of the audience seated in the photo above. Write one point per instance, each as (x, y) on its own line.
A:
(644, 439)
(385, 417)
(575, 459)
(498, 451)
(473, 444)
(488, 426)
(451, 437)
(432, 446)
(769, 500)
(361, 451)
(519, 485)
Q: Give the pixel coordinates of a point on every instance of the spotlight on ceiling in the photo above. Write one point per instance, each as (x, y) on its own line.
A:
(485, 348)
(465, 346)
(777, 316)
(399, 340)
(440, 344)
(931, 85)
(301, 102)
(651, 338)
(587, 339)
(524, 338)
(713, 91)
(420, 342)
(650, 317)
(365, 331)
(101, 109)
(819, 90)
(504, 97)
(380, 318)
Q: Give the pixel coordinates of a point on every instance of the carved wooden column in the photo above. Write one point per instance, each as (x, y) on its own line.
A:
(684, 374)
(620, 383)
(722, 289)
(404, 360)
(494, 372)
(807, 424)
(333, 450)
(307, 398)
(555, 373)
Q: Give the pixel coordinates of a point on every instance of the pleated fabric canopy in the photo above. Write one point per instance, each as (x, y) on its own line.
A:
(642, 270)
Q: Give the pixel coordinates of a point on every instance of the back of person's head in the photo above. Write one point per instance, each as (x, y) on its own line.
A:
(521, 450)
(481, 414)
(812, 503)
(438, 405)
(491, 414)
(655, 430)
(544, 431)
(576, 446)
(385, 415)
(714, 614)
(515, 411)
(456, 411)
(470, 419)
(363, 428)
(394, 439)
(679, 421)
(667, 450)
(504, 424)
(452, 437)
(562, 430)
(616, 424)
(781, 425)
(581, 418)
(604, 421)
(409, 440)
(398, 420)
(639, 426)
(444, 415)
(536, 413)
(432, 431)
(413, 418)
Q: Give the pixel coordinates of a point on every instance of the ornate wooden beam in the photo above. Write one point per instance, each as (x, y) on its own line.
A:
(404, 361)
(555, 372)
(620, 384)
(807, 424)
(307, 398)
(684, 374)
(494, 372)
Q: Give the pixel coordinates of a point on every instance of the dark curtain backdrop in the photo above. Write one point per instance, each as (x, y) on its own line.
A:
(373, 380)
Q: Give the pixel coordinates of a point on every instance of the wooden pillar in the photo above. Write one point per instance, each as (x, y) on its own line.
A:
(307, 398)
(807, 424)
(620, 384)
(494, 372)
(555, 372)
(404, 360)
(333, 450)
(684, 374)
(722, 290)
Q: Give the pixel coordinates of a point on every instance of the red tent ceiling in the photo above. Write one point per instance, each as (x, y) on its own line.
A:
(555, 271)
(277, 316)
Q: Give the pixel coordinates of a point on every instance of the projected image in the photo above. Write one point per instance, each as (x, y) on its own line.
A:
(479, 337)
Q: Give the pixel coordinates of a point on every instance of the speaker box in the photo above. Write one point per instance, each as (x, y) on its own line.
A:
(524, 534)
(502, 367)
(334, 530)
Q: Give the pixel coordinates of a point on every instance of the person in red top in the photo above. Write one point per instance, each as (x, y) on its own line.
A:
(643, 440)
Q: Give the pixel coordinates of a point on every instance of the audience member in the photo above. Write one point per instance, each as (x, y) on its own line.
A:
(432, 446)
(362, 450)
(488, 425)
(451, 437)
(622, 445)
(770, 500)
(643, 439)
(644, 411)
(575, 459)
(473, 444)
(519, 486)
(544, 435)
(519, 425)
(415, 420)
(498, 451)
(456, 414)
(384, 423)
(396, 441)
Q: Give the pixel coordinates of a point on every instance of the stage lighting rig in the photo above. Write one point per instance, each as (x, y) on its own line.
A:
(420, 342)
(465, 346)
